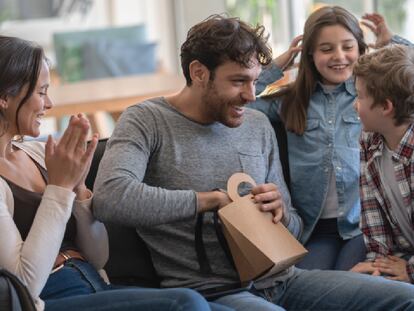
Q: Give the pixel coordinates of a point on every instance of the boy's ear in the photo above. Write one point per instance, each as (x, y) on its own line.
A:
(199, 73)
(388, 108)
(3, 103)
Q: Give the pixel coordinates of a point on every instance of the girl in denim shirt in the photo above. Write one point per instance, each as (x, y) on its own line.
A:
(322, 133)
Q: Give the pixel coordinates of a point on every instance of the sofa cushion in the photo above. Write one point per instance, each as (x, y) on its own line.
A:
(129, 259)
(68, 46)
(113, 58)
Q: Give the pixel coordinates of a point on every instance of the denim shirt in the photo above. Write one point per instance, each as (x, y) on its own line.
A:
(330, 142)
(395, 39)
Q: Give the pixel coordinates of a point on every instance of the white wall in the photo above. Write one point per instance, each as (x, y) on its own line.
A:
(408, 28)
(158, 15)
(191, 12)
(168, 22)
(41, 30)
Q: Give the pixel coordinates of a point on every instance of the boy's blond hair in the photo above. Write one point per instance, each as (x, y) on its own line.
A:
(388, 73)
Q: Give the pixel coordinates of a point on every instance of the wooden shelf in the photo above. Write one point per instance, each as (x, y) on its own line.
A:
(111, 95)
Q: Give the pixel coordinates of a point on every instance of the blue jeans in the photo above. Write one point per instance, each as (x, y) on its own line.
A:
(328, 251)
(327, 290)
(77, 286)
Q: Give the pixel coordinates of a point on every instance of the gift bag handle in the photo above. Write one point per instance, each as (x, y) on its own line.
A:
(233, 184)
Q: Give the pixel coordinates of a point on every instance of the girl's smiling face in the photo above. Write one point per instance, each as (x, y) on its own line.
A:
(336, 51)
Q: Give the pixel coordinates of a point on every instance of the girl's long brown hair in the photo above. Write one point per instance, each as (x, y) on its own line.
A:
(296, 96)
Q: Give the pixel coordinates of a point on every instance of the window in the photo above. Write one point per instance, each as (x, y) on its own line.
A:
(284, 19)
(270, 13)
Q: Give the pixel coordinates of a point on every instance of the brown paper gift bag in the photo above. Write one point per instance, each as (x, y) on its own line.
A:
(259, 247)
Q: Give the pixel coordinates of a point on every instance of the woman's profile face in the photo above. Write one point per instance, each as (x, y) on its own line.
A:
(33, 110)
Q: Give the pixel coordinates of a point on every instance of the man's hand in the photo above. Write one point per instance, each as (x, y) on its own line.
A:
(394, 267)
(207, 201)
(270, 200)
(376, 23)
(366, 267)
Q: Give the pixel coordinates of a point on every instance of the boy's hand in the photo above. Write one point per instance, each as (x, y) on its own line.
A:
(376, 23)
(270, 200)
(394, 267)
(366, 267)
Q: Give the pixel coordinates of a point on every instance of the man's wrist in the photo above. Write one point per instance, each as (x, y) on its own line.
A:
(207, 201)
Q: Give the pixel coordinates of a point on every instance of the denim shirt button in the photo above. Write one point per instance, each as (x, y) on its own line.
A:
(338, 168)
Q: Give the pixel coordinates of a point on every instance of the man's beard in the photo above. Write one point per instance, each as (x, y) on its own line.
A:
(218, 107)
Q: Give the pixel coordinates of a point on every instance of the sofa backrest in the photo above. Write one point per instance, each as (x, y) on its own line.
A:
(280, 132)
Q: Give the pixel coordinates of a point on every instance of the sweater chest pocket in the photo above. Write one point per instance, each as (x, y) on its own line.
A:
(253, 163)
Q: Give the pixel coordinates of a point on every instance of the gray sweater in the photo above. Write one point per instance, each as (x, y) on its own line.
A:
(156, 161)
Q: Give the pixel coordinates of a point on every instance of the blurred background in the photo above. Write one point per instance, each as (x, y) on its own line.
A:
(109, 54)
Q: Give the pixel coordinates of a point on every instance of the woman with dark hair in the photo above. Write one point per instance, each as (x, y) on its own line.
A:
(322, 135)
(48, 235)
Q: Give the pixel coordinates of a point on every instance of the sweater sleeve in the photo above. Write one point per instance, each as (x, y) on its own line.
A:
(121, 175)
(91, 237)
(32, 260)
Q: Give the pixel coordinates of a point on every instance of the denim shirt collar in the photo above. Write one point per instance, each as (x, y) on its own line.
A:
(348, 85)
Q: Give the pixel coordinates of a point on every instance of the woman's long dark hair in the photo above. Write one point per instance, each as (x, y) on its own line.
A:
(20, 63)
(296, 96)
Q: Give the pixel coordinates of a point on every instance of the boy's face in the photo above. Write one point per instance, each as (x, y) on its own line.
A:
(370, 116)
(233, 87)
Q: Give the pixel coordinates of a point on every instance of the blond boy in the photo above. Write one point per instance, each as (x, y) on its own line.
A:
(385, 104)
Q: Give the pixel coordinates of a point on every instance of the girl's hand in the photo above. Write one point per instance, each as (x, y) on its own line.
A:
(68, 160)
(376, 23)
(285, 60)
